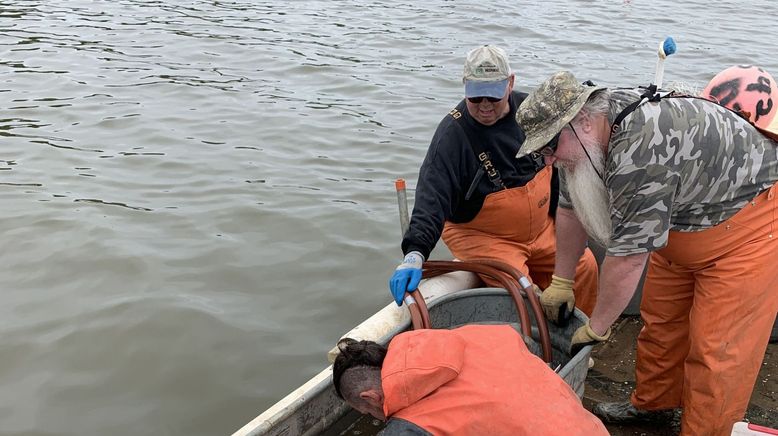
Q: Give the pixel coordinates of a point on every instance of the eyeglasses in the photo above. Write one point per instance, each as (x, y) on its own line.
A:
(477, 100)
(547, 151)
(550, 149)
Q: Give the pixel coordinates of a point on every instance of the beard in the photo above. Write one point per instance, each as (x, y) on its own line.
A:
(590, 199)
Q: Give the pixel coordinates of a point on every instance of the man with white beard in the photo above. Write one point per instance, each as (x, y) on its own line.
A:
(688, 186)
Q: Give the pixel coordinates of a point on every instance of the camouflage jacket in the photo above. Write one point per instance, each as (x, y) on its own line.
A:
(681, 164)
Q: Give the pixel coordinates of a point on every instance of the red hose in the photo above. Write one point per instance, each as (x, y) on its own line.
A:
(507, 276)
(534, 301)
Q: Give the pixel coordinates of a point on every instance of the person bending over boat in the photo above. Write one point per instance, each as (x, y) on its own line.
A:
(486, 203)
(688, 186)
(472, 380)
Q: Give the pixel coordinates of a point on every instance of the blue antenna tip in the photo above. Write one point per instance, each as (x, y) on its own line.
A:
(669, 46)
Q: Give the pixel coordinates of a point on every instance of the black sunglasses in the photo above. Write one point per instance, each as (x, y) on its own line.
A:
(477, 100)
(549, 149)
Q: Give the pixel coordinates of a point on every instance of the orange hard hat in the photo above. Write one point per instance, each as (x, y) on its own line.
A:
(749, 90)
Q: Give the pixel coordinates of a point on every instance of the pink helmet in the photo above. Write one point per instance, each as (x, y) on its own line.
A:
(749, 90)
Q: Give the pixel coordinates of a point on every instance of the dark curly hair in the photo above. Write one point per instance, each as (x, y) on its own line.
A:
(355, 354)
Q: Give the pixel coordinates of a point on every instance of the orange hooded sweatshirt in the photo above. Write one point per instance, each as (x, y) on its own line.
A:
(479, 380)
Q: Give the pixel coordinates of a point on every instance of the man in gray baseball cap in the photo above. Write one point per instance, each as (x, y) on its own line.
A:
(687, 186)
(478, 197)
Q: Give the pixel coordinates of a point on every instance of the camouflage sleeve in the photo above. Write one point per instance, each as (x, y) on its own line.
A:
(641, 188)
(564, 196)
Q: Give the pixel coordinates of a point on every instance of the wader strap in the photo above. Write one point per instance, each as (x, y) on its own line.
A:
(483, 158)
(473, 185)
(650, 95)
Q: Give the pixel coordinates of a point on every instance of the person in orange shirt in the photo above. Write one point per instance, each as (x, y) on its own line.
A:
(472, 380)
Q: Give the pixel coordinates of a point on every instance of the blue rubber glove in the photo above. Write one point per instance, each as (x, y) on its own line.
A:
(406, 277)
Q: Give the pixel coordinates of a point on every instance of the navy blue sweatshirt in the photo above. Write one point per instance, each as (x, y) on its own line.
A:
(451, 165)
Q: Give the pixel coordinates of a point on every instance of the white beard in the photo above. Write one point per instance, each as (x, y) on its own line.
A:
(588, 195)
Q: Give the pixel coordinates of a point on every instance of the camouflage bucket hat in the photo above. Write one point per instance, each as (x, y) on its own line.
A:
(546, 110)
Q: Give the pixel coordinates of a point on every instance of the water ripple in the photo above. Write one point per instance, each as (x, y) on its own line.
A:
(198, 196)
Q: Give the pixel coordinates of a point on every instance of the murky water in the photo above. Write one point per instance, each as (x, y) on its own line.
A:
(197, 196)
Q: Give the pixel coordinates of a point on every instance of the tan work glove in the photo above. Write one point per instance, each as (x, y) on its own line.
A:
(586, 336)
(558, 300)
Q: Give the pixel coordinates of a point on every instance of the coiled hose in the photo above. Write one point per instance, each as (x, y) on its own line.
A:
(509, 277)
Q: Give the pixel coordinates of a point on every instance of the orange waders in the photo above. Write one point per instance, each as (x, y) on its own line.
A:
(513, 226)
(709, 302)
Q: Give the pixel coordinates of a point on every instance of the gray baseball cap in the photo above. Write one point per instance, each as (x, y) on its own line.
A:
(546, 110)
(486, 72)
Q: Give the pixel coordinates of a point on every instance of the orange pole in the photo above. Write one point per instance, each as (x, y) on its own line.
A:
(402, 204)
